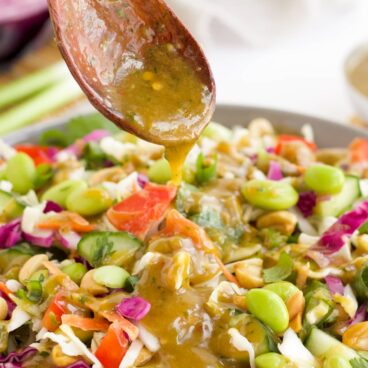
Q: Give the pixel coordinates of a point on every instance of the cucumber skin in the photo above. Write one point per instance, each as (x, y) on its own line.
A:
(322, 345)
(339, 203)
(88, 245)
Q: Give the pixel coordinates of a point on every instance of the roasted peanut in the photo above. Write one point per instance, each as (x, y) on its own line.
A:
(356, 336)
(144, 357)
(362, 243)
(282, 221)
(34, 264)
(295, 304)
(60, 359)
(249, 273)
(297, 153)
(90, 285)
(3, 308)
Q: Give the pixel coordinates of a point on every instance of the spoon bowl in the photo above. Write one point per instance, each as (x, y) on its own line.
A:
(138, 65)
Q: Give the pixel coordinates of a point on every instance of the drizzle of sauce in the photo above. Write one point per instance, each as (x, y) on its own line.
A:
(166, 101)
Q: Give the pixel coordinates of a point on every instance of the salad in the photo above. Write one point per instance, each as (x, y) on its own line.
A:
(258, 259)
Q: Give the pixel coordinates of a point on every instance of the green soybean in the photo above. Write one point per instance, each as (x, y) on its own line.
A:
(283, 289)
(336, 362)
(111, 276)
(60, 192)
(271, 360)
(324, 179)
(75, 271)
(20, 171)
(268, 307)
(88, 202)
(269, 194)
(160, 171)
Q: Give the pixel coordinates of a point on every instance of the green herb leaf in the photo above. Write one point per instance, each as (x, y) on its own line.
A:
(130, 283)
(272, 238)
(360, 282)
(281, 270)
(54, 138)
(206, 168)
(34, 291)
(103, 249)
(363, 228)
(94, 156)
(77, 128)
(359, 363)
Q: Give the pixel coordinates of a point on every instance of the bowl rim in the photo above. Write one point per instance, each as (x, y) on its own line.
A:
(60, 121)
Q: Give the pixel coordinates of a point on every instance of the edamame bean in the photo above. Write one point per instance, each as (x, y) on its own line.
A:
(160, 171)
(60, 192)
(283, 289)
(269, 194)
(324, 179)
(75, 271)
(271, 360)
(336, 362)
(269, 308)
(111, 276)
(88, 202)
(20, 171)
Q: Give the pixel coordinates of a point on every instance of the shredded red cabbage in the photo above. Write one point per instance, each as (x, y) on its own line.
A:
(79, 364)
(134, 308)
(10, 234)
(306, 203)
(52, 207)
(69, 239)
(274, 171)
(17, 357)
(335, 285)
(333, 238)
(41, 241)
(360, 315)
(142, 180)
(270, 150)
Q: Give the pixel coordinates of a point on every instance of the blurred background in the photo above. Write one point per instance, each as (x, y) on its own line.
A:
(285, 54)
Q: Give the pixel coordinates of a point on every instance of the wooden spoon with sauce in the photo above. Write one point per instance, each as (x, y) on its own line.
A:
(140, 67)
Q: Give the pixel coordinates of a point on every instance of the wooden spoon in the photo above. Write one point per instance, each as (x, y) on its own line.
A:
(138, 65)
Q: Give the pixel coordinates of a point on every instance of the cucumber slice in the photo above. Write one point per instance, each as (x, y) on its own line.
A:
(323, 345)
(341, 201)
(260, 336)
(108, 248)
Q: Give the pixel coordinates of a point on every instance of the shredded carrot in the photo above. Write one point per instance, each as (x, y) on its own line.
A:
(225, 271)
(127, 326)
(66, 220)
(4, 288)
(85, 324)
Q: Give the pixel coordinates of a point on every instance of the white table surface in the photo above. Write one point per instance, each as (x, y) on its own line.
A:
(303, 72)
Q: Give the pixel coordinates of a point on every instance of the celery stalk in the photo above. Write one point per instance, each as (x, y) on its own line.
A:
(23, 87)
(39, 105)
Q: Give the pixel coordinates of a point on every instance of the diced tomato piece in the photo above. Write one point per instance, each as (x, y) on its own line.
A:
(39, 154)
(52, 317)
(113, 347)
(286, 138)
(359, 150)
(138, 213)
